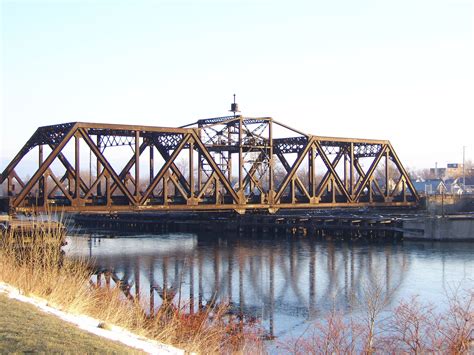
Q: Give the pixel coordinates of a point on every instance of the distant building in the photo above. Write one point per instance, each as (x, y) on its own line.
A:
(430, 187)
(452, 170)
(438, 173)
(457, 186)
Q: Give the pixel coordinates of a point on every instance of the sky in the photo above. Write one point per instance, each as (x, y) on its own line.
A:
(398, 70)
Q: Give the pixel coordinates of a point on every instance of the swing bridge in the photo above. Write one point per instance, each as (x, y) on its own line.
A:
(231, 163)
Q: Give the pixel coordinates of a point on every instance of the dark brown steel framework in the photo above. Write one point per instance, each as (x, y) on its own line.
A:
(226, 163)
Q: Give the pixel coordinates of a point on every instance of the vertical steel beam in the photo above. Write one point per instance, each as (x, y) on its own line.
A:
(313, 171)
(152, 163)
(191, 168)
(311, 185)
(98, 169)
(271, 162)
(77, 179)
(387, 173)
(292, 191)
(333, 190)
(346, 173)
(137, 165)
(229, 155)
(370, 190)
(165, 188)
(241, 158)
(108, 191)
(404, 189)
(42, 194)
(351, 171)
(199, 171)
(45, 189)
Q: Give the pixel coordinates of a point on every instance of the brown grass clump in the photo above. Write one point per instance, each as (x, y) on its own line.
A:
(34, 263)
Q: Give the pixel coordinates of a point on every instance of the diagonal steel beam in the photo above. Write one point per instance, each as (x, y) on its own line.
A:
(59, 185)
(17, 178)
(166, 156)
(205, 153)
(106, 165)
(165, 168)
(96, 182)
(206, 185)
(287, 167)
(41, 170)
(253, 168)
(128, 166)
(294, 169)
(329, 166)
(327, 176)
(370, 172)
(361, 172)
(400, 179)
(174, 180)
(402, 170)
(70, 169)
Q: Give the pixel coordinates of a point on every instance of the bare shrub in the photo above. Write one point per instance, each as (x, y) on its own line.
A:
(335, 334)
(457, 323)
(412, 328)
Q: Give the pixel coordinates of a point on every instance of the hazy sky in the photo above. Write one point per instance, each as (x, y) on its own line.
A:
(400, 70)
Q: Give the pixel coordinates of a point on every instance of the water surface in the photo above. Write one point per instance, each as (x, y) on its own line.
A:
(282, 282)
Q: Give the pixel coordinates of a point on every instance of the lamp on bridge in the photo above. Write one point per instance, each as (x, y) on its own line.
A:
(234, 107)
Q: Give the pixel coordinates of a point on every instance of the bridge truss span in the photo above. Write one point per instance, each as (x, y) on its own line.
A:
(225, 163)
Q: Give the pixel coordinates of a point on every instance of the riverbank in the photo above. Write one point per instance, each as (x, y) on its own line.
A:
(41, 270)
(48, 327)
(24, 328)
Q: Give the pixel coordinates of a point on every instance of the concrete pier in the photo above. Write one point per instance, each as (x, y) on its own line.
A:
(450, 227)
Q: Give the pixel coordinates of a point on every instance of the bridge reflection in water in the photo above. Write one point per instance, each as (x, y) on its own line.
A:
(283, 283)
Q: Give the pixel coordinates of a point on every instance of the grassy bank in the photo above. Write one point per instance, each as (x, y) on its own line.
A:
(36, 265)
(24, 329)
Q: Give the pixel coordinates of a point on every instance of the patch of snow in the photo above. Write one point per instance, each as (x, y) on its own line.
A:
(91, 325)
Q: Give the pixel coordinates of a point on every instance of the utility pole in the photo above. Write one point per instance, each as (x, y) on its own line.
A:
(464, 167)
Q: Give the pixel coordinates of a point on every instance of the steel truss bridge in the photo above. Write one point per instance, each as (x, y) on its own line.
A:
(226, 163)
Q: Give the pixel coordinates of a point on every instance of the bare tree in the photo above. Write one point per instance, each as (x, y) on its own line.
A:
(375, 300)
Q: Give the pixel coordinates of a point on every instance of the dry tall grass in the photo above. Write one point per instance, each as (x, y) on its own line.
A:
(35, 264)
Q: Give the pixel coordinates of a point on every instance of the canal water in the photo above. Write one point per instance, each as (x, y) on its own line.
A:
(283, 283)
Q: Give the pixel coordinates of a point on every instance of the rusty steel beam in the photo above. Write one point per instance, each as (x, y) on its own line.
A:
(241, 165)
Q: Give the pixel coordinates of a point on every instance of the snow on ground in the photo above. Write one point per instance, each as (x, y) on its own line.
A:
(91, 325)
